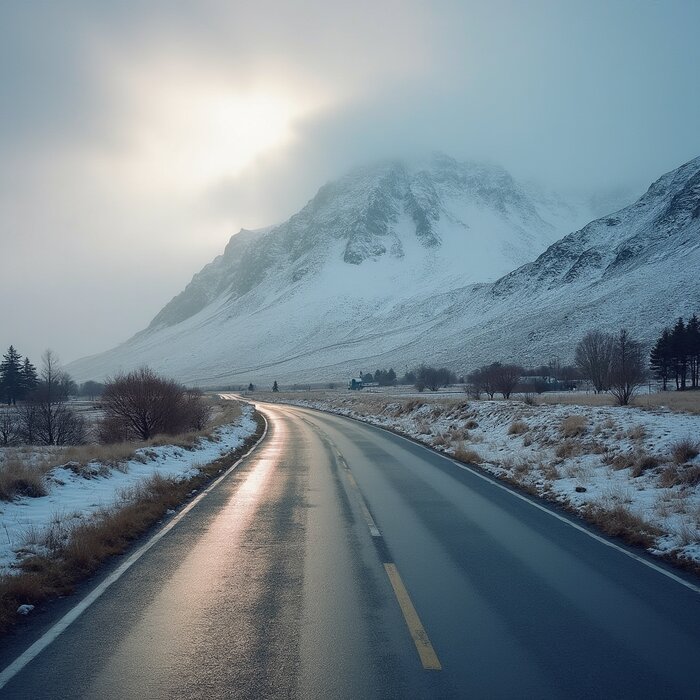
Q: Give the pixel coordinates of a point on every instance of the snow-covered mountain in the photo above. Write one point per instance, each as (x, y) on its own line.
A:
(401, 263)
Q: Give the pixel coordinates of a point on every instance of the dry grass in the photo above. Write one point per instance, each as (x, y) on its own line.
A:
(577, 399)
(467, 455)
(636, 432)
(74, 549)
(20, 478)
(550, 471)
(679, 401)
(24, 476)
(517, 427)
(619, 521)
(684, 450)
(680, 475)
(574, 426)
(568, 449)
(643, 461)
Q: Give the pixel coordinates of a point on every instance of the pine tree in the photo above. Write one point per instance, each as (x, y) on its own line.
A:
(11, 376)
(692, 332)
(30, 378)
(679, 353)
(661, 358)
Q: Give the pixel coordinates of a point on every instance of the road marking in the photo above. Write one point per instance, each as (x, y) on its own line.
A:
(425, 649)
(544, 509)
(373, 529)
(371, 524)
(74, 613)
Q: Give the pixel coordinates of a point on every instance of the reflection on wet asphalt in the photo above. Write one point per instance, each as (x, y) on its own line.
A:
(272, 587)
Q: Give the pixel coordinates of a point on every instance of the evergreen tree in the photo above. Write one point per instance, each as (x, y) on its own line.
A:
(661, 358)
(679, 354)
(11, 376)
(30, 378)
(692, 332)
(275, 387)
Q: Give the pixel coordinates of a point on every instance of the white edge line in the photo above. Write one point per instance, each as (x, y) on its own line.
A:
(74, 613)
(539, 506)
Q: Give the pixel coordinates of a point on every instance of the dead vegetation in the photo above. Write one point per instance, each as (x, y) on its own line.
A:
(467, 455)
(517, 427)
(680, 475)
(18, 478)
(683, 451)
(71, 549)
(574, 426)
(619, 521)
(24, 473)
(568, 449)
(678, 401)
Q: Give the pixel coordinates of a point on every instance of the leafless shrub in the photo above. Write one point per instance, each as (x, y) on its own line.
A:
(684, 450)
(573, 426)
(46, 419)
(141, 404)
(9, 427)
(527, 441)
(594, 355)
(628, 368)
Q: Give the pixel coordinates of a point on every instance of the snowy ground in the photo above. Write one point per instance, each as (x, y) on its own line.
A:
(610, 459)
(76, 495)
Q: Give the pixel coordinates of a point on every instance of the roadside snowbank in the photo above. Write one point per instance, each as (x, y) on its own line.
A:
(621, 462)
(74, 496)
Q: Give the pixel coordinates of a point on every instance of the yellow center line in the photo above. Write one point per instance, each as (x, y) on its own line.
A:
(425, 649)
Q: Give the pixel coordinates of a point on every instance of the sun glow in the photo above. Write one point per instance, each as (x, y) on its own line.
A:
(191, 137)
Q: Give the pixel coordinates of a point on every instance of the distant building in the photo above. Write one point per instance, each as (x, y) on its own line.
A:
(355, 384)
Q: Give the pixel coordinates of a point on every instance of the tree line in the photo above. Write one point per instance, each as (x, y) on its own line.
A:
(135, 406)
(39, 414)
(675, 356)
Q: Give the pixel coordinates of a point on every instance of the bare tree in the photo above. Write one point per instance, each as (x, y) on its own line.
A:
(52, 421)
(594, 355)
(482, 380)
(9, 427)
(196, 412)
(505, 377)
(141, 404)
(628, 368)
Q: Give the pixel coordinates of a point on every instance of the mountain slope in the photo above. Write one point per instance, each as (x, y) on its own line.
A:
(394, 264)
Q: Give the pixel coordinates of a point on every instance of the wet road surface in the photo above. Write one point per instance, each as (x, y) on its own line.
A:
(340, 561)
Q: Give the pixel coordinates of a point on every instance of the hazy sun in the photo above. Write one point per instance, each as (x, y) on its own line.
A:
(189, 138)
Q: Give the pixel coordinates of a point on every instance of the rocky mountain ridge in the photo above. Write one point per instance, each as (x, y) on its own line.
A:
(383, 268)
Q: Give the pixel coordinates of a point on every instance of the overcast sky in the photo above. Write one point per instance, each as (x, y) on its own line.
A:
(135, 137)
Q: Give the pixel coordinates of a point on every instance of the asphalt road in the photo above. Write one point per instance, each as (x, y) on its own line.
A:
(341, 561)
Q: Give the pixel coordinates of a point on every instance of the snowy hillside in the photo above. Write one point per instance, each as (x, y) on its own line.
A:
(394, 264)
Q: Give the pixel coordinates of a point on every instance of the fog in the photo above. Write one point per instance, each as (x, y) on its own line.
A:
(135, 140)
